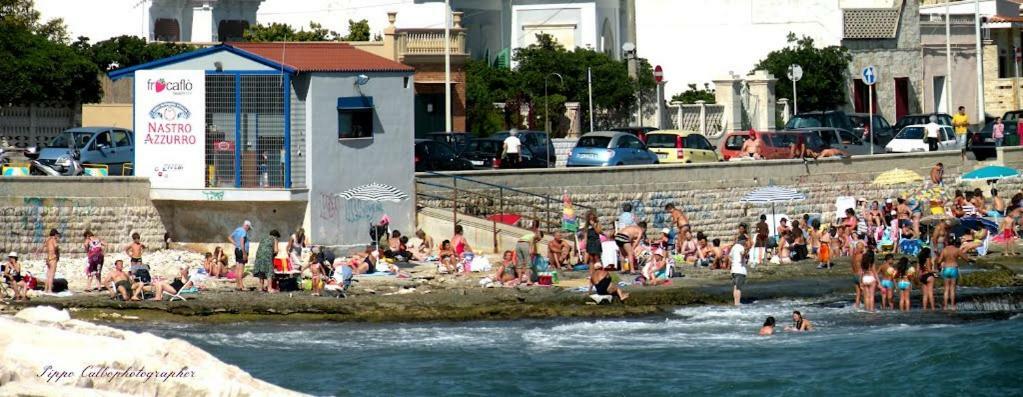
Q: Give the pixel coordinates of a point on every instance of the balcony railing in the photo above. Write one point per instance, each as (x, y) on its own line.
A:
(429, 42)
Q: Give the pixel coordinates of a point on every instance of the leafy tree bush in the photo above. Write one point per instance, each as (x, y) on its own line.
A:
(825, 71)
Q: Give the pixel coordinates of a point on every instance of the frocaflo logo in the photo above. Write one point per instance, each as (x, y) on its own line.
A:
(170, 111)
(161, 85)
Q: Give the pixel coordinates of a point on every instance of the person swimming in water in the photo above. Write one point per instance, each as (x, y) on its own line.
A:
(903, 273)
(768, 328)
(927, 276)
(868, 281)
(949, 262)
(799, 323)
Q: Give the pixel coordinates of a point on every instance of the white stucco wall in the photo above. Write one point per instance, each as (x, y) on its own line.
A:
(334, 14)
(335, 166)
(696, 41)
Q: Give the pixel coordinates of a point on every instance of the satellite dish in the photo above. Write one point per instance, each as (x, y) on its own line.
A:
(628, 47)
(361, 79)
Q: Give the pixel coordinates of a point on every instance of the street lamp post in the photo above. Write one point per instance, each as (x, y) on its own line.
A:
(546, 100)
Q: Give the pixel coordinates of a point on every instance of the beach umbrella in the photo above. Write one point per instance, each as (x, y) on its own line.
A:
(772, 195)
(989, 173)
(977, 223)
(568, 221)
(374, 192)
(897, 176)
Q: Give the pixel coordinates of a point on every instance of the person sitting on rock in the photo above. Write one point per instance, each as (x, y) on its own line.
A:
(602, 284)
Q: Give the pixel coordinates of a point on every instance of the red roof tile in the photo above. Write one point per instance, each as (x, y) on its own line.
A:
(322, 57)
(1004, 18)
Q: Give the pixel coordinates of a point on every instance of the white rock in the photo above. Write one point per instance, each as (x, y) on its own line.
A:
(40, 314)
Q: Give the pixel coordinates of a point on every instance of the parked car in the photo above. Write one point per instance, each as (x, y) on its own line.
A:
(603, 148)
(775, 144)
(830, 118)
(457, 140)
(921, 119)
(486, 153)
(843, 140)
(673, 146)
(639, 132)
(911, 139)
(535, 141)
(881, 130)
(110, 146)
(438, 156)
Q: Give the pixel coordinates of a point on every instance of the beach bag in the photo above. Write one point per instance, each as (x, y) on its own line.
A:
(540, 264)
(143, 276)
(479, 264)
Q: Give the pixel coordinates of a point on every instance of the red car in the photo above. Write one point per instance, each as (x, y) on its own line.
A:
(774, 145)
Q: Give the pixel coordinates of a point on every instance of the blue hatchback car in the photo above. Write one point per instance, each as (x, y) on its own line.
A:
(604, 148)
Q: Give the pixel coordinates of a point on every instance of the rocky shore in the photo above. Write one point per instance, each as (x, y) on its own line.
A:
(43, 352)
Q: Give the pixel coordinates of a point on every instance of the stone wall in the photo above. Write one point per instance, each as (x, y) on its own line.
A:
(112, 208)
(710, 193)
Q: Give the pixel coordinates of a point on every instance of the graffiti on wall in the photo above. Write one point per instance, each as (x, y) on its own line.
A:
(652, 209)
(213, 195)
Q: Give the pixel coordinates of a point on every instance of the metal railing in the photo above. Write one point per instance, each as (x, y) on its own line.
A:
(490, 201)
(429, 41)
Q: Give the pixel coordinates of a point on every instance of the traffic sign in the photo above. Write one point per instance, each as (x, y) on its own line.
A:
(658, 74)
(869, 75)
(795, 72)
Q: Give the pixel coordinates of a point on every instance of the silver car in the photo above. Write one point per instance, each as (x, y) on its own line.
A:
(843, 140)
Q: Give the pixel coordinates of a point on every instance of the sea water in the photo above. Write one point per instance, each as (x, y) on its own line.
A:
(709, 350)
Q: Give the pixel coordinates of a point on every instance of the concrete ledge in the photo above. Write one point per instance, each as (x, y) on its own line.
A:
(220, 194)
(478, 232)
(74, 187)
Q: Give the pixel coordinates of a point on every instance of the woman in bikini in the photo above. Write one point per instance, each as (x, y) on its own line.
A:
(447, 257)
(927, 276)
(506, 271)
(52, 257)
(461, 246)
(219, 263)
(868, 280)
(296, 243)
(886, 272)
(903, 274)
(690, 247)
(857, 269)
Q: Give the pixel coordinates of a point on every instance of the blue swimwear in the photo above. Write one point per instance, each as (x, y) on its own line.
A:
(887, 284)
(950, 272)
(904, 285)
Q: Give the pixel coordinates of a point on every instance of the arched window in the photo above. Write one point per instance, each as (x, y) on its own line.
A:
(166, 29)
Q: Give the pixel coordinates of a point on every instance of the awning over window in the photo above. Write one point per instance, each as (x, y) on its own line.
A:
(355, 102)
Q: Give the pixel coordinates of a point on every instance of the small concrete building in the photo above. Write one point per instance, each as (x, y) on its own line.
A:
(313, 134)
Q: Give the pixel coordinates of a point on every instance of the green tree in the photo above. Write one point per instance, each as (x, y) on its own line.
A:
(36, 63)
(693, 94)
(284, 32)
(825, 72)
(125, 51)
(357, 31)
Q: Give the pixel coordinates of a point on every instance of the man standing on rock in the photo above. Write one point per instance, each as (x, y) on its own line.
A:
(680, 222)
(760, 241)
(240, 239)
(52, 257)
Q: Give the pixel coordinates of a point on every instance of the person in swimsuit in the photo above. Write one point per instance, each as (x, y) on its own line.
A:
(1008, 235)
(799, 324)
(592, 240)
(689, 248)
(94, 256)
(121, 280)
(135, 250)
(858, 249)
(447, 257)
(927, 276)
(505, 274)
(868, 280)
(52, 248)
(628, 239)
(826, 249)
(887, 273)
(937, 174)
(768, 328)
(760, 242)
(12, 275)
(559, 252)
(903, 274)
(949, 261)
(459, 243)
(679, 222)
(601, 284)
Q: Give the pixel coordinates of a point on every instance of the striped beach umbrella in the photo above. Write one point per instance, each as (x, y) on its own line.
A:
(772, 195)
(374, 192)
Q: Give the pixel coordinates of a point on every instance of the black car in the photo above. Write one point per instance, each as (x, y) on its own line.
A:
(639, 132)
(921, 119)
(438, 156)
(486, 153)
(982, 144)
(883, 132)
(535, 141)
(457, 140)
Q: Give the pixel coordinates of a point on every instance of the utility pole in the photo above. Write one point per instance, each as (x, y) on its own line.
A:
(447, 65)
(980, 65)
(948, 59)
(589, 84)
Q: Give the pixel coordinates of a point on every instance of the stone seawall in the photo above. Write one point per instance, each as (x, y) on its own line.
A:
(111, 207)
(710, 193)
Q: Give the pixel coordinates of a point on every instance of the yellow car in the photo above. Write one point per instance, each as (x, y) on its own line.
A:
(673, 146)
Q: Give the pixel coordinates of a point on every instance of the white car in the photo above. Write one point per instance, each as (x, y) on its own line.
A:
(911, 139)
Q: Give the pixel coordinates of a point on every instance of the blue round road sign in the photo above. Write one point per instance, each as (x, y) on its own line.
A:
(869, 75)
